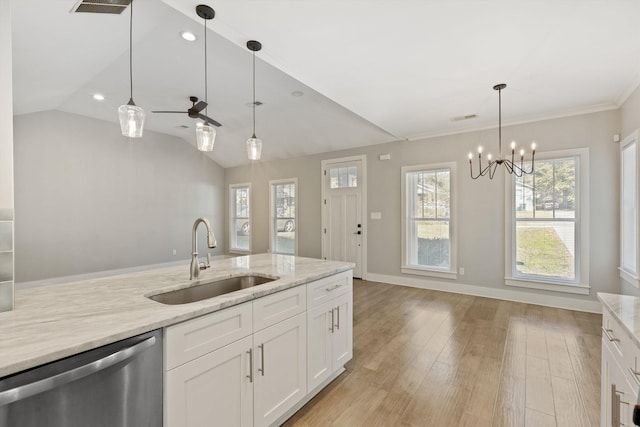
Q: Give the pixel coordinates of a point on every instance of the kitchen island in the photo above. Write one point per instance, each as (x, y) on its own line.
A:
(54, 322)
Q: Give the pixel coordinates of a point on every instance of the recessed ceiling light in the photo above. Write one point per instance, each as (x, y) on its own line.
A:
(297, 93)
(190, 37)
(98, 96)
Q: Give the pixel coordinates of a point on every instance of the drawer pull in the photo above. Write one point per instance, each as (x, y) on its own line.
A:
(607, 333)
(333, 288)
(250, 376)
(261, 347)
(635, 376)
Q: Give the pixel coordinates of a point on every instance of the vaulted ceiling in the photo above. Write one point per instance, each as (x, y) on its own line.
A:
(370, 71)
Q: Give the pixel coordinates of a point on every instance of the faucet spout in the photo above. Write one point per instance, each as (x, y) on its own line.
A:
(211, 243)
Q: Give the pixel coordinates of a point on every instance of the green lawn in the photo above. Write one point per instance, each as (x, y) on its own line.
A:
(540, 251)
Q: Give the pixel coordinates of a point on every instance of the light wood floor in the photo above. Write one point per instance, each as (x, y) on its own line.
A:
(427, 358)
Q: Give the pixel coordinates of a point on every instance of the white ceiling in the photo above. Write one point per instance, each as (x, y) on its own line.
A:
(371, 71)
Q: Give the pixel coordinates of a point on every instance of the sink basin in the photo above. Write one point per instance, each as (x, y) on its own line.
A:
(209, 289)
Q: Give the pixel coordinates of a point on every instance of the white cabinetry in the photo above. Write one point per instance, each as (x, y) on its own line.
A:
(619, 375)
(242, 366)
(254, 364)
(330, 327)
(281, 367)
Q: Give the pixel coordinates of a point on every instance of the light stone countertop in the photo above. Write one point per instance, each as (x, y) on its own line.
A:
(53, 322)
(626, 310)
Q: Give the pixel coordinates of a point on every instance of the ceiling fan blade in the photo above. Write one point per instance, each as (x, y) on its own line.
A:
(209, 119)
(181, 112)
(199, 106)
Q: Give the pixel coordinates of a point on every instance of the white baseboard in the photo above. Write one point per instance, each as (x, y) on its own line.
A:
(496, 293)
(106, 273)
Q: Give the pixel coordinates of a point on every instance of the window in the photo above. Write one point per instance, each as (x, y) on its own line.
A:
(548, 231)
(343, 177)
(428, 222)
(283, 216)
(240, 227)
(629, 209)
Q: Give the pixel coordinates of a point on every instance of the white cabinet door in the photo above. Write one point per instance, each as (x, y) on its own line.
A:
(212, 390)
(342, 330)
(280, 369)
(319, 350)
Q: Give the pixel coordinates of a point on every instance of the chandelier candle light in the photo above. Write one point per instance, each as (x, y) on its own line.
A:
(205, 133)
(510, 165)
(131, 116)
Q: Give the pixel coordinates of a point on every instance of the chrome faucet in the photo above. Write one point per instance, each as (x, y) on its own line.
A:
(196, 265)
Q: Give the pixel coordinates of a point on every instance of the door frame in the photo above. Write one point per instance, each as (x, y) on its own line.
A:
(324, 164)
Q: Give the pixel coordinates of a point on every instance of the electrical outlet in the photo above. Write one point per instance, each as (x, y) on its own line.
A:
(461, 271)
(174, 252)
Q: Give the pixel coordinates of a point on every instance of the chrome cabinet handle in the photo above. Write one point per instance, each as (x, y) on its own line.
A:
(609, 336)
(37, 387)
(333, 288)
(635, 376)
(250, 376)
(261, 369)
(338, 310)
(615, 407)
(332, 321)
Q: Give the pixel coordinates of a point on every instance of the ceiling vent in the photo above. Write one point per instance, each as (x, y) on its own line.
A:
(101, 6)
(461, 118)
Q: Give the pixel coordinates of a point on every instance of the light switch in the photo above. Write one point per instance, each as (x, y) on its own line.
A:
(376, 215)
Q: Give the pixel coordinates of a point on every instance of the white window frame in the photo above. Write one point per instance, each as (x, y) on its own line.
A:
(627, 274)
(232, 218)
(272, 208)
(580, 285)
(430, 271)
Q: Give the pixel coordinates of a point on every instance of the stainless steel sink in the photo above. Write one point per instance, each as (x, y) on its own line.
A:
(209, 289)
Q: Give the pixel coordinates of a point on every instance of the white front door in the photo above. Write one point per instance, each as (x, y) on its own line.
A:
(343, 229)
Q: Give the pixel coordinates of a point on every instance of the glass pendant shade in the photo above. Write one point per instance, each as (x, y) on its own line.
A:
(254, 148)
(205, 137)
(131, 120)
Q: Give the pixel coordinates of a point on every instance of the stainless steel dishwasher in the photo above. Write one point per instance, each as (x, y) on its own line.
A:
(119, 384)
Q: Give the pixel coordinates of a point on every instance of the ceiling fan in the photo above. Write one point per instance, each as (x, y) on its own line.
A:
(194, 111)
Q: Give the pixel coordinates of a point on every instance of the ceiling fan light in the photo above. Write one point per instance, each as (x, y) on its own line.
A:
(131, 120)
(254, 148)
(205, 137)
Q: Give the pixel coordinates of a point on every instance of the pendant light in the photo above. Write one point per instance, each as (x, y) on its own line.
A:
(511, 166)
(131, 116)
(205, 133)
(254, 144)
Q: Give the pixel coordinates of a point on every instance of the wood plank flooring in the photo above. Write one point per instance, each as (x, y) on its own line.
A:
(427, 358)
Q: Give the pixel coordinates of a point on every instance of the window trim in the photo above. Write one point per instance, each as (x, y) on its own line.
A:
(451, 273)
(232, 218)
(272, 209)
(627, 275)
(581, 284)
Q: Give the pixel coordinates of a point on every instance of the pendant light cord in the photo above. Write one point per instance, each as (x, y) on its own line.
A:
(500, 123)
(131, 52)
(254, 93)
(206, 87)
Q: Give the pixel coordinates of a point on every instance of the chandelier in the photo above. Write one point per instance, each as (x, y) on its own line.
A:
(512, 165)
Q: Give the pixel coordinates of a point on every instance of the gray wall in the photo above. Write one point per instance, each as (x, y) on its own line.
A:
(6, 160)
(88, 199)
(481, 203)
(630, 121)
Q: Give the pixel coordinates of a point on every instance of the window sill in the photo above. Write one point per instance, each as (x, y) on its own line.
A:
(239, 251)
(579, 289)
(427, 272)
(629, 277)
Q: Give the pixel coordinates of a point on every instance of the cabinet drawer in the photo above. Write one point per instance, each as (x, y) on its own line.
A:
(194, 338)
(277, 307)
(329, 287)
